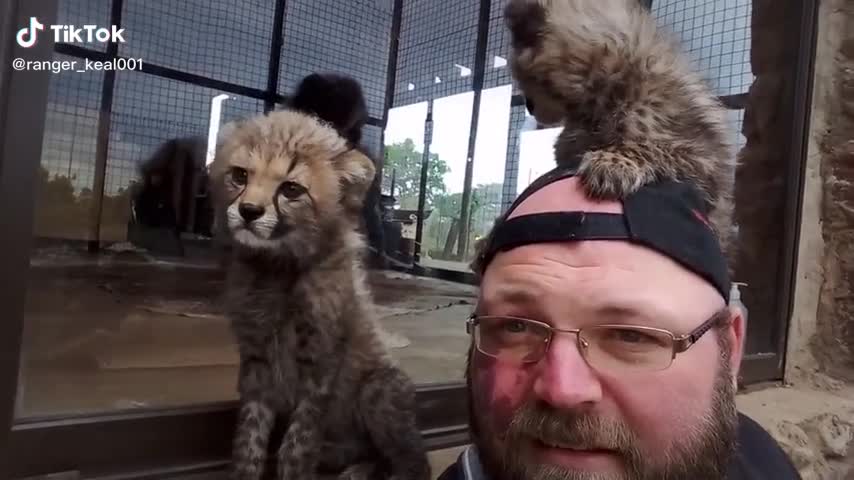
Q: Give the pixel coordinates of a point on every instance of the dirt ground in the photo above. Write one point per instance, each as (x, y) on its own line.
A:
(121, 331)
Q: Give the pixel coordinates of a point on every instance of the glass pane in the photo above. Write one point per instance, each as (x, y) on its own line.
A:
(443, 229)
(490, 164)
(122, 307)
(401, 182)
(135, 324)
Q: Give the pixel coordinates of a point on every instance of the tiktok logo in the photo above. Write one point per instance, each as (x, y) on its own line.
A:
(27, 35)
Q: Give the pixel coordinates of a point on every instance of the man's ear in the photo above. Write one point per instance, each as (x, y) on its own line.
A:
(737, 333)
(357, 173)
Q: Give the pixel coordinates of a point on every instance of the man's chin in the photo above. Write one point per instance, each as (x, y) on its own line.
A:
(536, 461)
(603, 463)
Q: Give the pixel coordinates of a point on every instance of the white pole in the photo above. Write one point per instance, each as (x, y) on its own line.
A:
(213, 128)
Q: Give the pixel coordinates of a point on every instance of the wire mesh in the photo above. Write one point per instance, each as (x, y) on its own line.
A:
(349, 37)
(498, 49)
(71, 126)
(85, 12)
(716, 35)
(372, 140)
(511, 166)
(211, 38)
(436, 54)
(149, 111)
(736, 120)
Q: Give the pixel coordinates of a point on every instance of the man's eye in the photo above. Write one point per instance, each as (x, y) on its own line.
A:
(514, 326)
(291, 190)
(239, 176)
(634, 337)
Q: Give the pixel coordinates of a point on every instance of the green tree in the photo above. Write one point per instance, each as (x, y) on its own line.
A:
(64, 212)
(484, 209)
(403, 163)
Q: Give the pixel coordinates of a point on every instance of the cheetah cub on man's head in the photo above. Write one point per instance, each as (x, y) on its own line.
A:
(632, 108)
(287, 189)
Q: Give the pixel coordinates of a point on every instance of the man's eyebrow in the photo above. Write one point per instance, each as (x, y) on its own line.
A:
(515, 294)
(618, 313)
(512, 295)
(640, 314)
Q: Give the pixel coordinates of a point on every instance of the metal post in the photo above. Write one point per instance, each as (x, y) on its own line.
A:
(276, 42)
(103, 142)
(422, 189)
(391, 75)
(477, 86)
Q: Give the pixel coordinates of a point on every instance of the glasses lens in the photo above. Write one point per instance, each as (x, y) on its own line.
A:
(627, 348)
(511, 339)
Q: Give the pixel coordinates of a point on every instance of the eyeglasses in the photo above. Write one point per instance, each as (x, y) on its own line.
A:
(617, 348)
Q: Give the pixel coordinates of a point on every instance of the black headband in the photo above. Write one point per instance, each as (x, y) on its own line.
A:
(666, 216)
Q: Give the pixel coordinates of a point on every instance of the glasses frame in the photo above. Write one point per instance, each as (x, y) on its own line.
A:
(681, 343)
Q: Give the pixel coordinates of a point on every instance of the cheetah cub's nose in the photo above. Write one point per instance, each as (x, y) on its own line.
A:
(250, 211)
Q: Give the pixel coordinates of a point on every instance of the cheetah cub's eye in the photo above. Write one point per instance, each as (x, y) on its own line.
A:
(239, 176)
(292, 190)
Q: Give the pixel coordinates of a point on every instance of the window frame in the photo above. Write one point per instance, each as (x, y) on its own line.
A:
(148, 443)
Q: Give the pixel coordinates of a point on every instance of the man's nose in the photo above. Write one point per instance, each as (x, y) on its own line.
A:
(250, 211)
(565, 380)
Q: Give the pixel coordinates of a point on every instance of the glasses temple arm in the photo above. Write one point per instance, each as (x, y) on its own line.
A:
(684, 342)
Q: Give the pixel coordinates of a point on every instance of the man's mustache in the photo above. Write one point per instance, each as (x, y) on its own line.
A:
(570, 429)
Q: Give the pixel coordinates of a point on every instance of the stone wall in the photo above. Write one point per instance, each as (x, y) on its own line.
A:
(833, 344)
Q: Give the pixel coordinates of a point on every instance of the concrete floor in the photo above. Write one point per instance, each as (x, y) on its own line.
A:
(118, 333)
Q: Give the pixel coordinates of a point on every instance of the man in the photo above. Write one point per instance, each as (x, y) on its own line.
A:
(603, 347)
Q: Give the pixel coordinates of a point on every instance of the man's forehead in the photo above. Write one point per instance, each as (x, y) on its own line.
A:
(609, 280)
(563, 195)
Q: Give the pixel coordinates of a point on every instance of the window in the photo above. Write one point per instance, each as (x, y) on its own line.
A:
(135, 325)
(717, 35)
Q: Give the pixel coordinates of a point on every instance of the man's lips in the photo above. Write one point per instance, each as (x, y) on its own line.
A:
(588, 458)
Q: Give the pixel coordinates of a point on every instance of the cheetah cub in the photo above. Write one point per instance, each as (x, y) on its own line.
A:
(287, 188)
(632, 109)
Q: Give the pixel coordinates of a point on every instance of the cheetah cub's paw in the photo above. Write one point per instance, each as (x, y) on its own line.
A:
(611, 175)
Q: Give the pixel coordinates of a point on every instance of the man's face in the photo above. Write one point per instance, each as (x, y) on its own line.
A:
(561, 418)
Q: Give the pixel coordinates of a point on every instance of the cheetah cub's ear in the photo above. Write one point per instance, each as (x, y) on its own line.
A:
(356, 172)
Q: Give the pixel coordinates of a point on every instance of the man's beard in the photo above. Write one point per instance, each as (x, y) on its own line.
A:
(704, 452)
